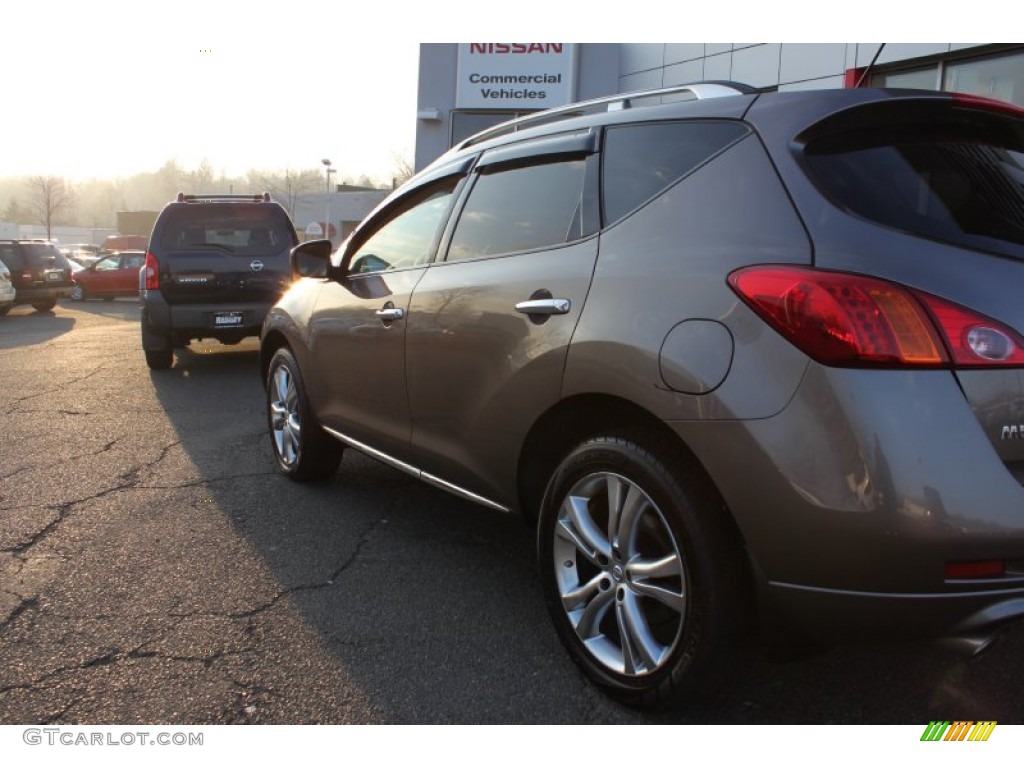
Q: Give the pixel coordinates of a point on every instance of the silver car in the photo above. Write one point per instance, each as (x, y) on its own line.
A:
(748, 361)
(6, 290)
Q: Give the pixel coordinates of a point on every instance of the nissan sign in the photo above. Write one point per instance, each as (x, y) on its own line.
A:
(515, 75)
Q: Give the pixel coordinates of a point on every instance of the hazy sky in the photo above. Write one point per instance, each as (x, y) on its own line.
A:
(115, 88)
(112, 88)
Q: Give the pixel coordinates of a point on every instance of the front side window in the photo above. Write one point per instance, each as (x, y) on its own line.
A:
(512, 209)
(111, 262)
(405, 238)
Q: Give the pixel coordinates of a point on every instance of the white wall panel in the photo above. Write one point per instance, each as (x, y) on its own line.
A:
(637, 57)
(677, 52)
(807, 61)
(757, 66)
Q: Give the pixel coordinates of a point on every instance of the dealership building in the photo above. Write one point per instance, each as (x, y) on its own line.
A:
(467, 87)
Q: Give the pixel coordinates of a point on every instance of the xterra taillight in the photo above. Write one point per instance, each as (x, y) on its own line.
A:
(851, 320)
(152, 272)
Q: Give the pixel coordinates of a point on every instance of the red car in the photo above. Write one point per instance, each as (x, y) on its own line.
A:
(111, 276)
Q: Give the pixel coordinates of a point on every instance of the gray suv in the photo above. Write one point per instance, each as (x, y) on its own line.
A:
(748, 361)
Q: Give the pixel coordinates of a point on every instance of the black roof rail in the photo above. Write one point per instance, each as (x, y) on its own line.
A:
(183, 198)
(711, 89)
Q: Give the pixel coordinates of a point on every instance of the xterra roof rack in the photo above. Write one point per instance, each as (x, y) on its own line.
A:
(712, 89)
(183, 198)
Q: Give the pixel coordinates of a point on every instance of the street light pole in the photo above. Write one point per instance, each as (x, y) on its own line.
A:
(327, 213)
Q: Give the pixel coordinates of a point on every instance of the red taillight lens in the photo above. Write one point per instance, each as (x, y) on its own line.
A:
(990, 105)
(978, 569)
(974, 340)
(152, 272)
(856, 321)
(840, 319)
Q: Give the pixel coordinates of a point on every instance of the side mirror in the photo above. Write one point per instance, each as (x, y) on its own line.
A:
(312, 259)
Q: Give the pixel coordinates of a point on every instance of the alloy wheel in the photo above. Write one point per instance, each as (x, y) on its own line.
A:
(620, 574)
(285, 422)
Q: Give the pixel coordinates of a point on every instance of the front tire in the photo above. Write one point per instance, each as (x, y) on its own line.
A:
(78, 293)
(302, 450)
(644, 579)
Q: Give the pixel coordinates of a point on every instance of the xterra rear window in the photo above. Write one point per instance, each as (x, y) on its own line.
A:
(959, 180)
(244, 230)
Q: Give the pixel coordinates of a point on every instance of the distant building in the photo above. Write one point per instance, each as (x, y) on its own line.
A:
(467, 87)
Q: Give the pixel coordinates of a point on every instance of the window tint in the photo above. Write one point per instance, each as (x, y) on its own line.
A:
(407, 233)
(246, 230)
(9, 256)
(641, 161)
(519, 209)
(957, 181)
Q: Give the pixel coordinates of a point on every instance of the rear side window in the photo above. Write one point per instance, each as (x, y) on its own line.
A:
(960, 180)
(245, 230)
(9, 256)
(643, 160)
(521, 208)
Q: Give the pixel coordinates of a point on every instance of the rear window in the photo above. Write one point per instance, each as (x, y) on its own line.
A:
(245, 230)
(42, 256)
(959, 180)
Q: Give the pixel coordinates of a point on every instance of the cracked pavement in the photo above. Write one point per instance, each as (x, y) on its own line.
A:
(154, 568)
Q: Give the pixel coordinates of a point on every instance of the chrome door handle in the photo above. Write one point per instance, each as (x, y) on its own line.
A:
(544, 307)
(389, 314)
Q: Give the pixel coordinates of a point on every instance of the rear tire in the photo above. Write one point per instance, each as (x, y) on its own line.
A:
(45, 306)
(643, 576)
(159, 359)
(302, 450)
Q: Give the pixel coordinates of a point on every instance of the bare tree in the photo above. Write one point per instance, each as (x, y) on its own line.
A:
(402, 171)
(286, 186)
(51, 198)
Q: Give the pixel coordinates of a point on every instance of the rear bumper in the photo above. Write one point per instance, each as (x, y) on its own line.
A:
(856, 498)
(30, 295)
(834, 615)
(198, 321)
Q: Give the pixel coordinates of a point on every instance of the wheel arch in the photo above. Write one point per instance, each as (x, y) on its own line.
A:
(270, 343)
(577, 418)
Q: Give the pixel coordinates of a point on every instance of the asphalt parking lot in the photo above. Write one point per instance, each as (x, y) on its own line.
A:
(155, 569)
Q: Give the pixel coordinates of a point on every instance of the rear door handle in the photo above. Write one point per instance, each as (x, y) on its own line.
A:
(544, 307)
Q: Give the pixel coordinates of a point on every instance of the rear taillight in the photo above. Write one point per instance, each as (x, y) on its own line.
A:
(851, 320)
(152, 269)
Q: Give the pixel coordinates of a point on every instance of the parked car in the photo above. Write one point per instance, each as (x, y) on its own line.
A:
(115, 243)
(6, 290)
(749, 362)
(215, 265)
(40, 273)
(110, 277)
(83, 253)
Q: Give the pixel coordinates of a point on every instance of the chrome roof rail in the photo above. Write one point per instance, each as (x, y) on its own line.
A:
(708, 90)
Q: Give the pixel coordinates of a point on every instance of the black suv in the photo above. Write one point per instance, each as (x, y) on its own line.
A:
(39, 271)
(215, 265)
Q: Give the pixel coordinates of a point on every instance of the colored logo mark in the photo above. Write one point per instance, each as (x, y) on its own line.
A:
(958, 730)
